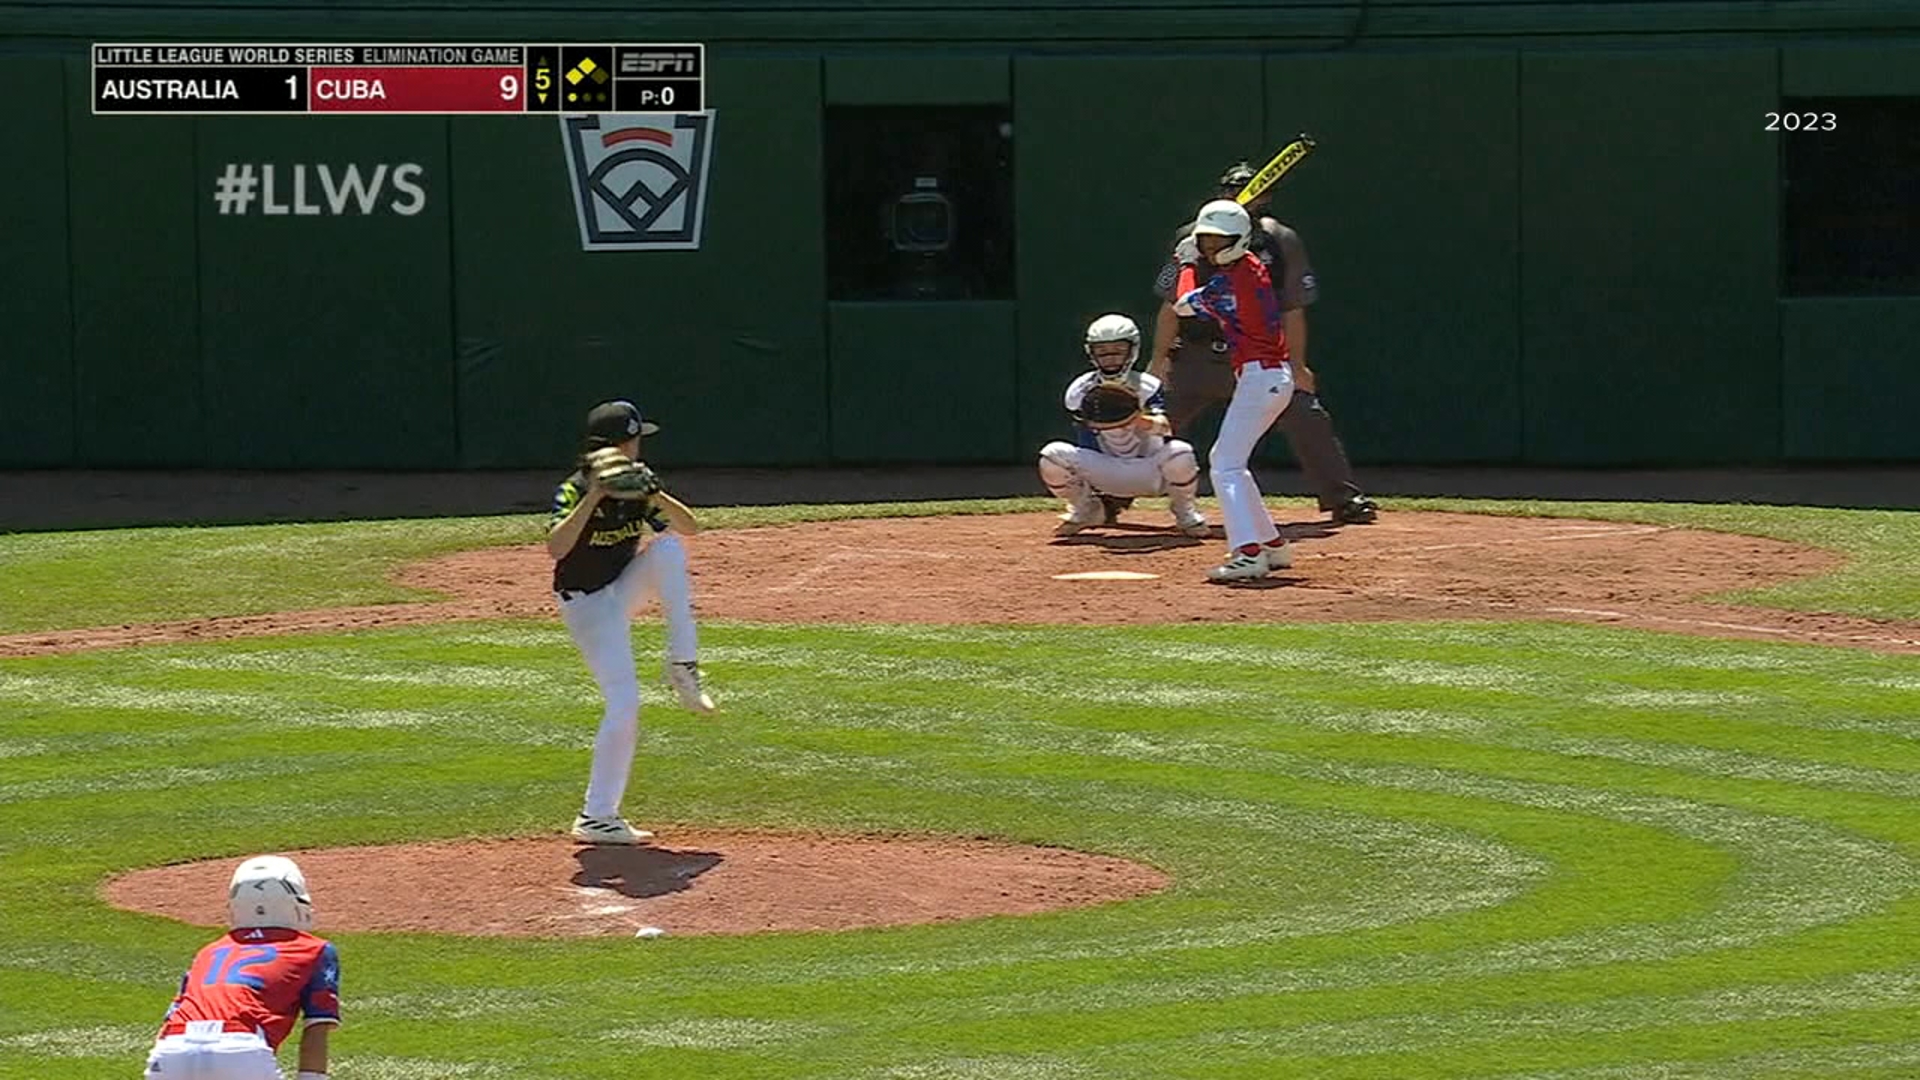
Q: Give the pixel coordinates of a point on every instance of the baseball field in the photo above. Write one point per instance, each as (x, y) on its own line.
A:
(1514, 790)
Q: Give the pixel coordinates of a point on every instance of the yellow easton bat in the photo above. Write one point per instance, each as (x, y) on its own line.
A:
(1283, 162)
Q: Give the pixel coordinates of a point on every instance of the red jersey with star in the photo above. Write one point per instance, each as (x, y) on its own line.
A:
(1240, 297)
(261, 978)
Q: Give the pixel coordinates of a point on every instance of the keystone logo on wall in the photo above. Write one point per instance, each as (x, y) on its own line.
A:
(639, 179)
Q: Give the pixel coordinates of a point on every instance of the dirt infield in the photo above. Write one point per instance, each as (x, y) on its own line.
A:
(691, 882)
(963, 570)
(1001, 570)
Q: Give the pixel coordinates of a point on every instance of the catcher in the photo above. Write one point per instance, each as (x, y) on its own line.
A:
(1122, 446)
(601, 576)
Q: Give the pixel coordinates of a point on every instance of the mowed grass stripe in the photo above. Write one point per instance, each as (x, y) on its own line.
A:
(1477, 850)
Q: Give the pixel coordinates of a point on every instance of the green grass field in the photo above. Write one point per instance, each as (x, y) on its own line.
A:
(1439, 850)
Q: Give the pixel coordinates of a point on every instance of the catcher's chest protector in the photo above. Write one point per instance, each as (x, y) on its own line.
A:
(1125, 442)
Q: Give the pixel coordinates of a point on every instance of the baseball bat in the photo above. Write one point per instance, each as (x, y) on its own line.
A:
(1283, 162)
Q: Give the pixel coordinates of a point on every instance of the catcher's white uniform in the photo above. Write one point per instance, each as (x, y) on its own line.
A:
(1125, 461)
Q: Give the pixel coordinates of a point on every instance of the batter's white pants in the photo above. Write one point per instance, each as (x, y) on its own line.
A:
(601, 625)
(212, 1055)
(1259, 397)
(1078, 475)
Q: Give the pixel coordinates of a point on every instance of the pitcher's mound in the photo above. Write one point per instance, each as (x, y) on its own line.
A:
(688, 882)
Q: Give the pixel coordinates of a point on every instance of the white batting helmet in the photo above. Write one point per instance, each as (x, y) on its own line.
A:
(1115, 327)
(269, 890)
(1224, 217)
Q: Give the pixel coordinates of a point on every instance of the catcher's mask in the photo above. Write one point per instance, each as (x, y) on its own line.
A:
(611, 423)
(269, 890)
(1113, 329)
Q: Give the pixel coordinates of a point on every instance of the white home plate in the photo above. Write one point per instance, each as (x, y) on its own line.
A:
(1106, 575)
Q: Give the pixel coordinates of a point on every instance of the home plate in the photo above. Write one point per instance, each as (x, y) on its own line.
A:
(1106, 575)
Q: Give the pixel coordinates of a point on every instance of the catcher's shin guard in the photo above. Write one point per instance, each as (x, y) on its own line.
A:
(1066, 484)
(1180, 470)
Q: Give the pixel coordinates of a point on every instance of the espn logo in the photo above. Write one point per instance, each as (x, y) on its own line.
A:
(643, 62)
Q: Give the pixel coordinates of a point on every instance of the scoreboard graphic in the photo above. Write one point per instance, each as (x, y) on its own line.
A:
(406, 79)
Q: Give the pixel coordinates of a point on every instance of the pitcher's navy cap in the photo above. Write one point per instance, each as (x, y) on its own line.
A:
(611, 423)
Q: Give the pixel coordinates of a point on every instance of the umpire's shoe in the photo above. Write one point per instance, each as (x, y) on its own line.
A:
(1358, 510)
(1114, 506)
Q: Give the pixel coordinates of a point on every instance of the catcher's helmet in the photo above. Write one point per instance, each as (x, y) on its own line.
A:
(1109, 328)
(269, 890)
(1224, 217)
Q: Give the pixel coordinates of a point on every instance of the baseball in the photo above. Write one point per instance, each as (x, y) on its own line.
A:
(648, 932)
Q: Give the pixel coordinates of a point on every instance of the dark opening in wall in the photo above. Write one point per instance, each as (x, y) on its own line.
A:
(919, 202)
(1850, 204)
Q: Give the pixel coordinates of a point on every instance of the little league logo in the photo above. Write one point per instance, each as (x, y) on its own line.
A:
(639, 179)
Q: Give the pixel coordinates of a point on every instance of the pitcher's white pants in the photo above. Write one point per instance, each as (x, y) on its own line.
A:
(1078, 474)
(215, 1055)
(601, 625)
(1259, 397)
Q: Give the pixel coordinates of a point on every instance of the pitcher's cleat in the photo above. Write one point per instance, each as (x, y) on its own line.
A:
(685, 680)
(613, 830)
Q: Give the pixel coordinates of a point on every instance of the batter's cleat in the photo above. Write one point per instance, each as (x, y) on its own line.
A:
(1242, 567)
(607, 830)
(1279, 554)
(1358, 510)
(685, 680)
(1197, 528)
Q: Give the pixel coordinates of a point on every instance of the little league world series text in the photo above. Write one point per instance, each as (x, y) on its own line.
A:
(246, 79)
(348, 55)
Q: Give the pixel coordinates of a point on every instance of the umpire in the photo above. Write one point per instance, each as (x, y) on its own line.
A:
(1190, 355)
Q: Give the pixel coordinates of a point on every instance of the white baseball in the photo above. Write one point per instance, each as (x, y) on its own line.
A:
(648, 931)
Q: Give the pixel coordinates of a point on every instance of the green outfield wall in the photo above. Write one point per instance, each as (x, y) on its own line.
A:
(1544, 234)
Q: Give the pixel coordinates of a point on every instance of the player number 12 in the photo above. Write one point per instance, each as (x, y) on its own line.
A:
(236, 973)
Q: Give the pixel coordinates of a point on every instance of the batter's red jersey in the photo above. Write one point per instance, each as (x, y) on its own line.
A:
(265, 979)
(1240, 297)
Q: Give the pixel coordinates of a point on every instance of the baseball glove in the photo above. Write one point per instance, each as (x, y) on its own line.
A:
(1109, 405)
(621, 476)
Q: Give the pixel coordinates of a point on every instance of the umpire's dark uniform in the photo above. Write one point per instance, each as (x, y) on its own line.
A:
(1200, 376)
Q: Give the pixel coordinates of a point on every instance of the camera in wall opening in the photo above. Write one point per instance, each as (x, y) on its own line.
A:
(922, 219)
(920, 232)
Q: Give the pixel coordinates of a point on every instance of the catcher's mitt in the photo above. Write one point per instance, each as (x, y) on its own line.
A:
(1109, 405)
(621, 476)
